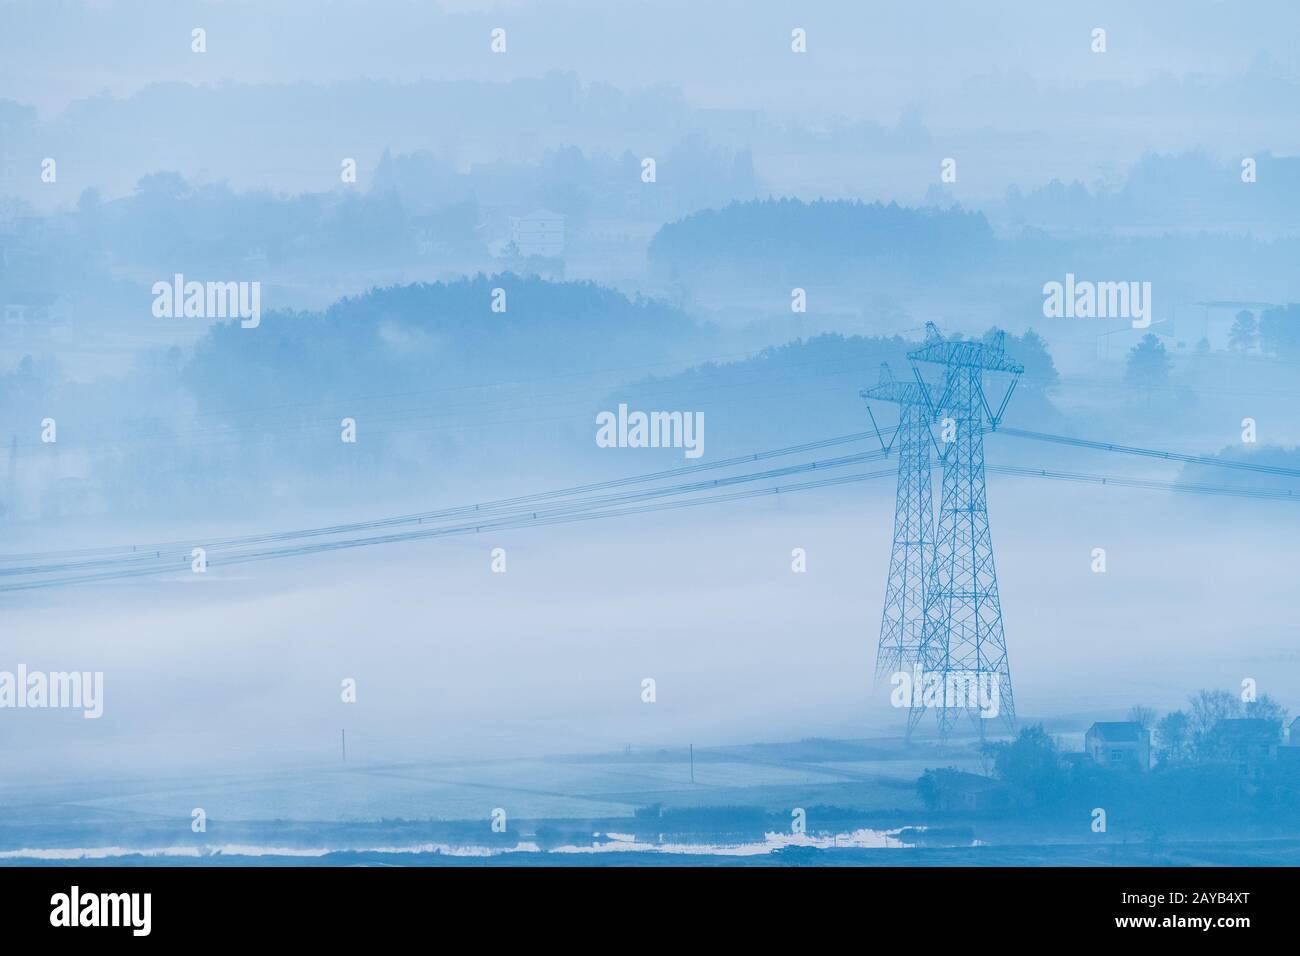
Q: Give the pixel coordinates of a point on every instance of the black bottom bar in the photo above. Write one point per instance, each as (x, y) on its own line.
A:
(215, 903)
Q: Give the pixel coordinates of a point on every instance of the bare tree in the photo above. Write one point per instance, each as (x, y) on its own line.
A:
(1174, 737)
(1145, 717)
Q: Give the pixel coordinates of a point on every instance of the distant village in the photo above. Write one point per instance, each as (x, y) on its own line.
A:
(1218, 746)
(1247, 742)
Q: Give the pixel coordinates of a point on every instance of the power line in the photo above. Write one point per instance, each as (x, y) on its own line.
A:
(575, 512)
(581, 504)
(170, 548)
(480, 507)
(1153, 453)
(514, 521)
(1265, 494)
(142, 560)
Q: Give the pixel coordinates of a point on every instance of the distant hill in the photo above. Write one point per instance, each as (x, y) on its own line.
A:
(808, 389)
(823, 237)
(436, 336)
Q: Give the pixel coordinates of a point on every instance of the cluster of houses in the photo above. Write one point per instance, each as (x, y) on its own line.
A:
(1246, 741)
(1250, 743)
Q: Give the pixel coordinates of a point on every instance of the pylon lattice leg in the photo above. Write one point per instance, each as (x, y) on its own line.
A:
(903, 621)
(963, 638)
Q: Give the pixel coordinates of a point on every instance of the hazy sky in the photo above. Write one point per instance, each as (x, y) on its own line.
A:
(1013, 89)
(865, 60)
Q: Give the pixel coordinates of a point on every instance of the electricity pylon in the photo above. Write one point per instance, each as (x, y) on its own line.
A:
(903, 620)
(963, 640)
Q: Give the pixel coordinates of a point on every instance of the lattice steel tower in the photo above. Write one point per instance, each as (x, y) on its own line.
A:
(903, 621)
(963, 639)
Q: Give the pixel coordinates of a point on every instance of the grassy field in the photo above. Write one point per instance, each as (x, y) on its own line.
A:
(858, 799)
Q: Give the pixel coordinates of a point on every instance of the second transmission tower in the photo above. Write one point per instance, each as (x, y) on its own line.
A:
(963, 648)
